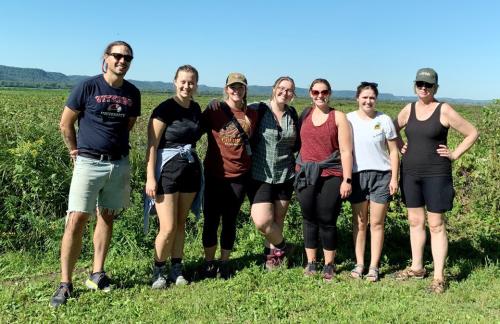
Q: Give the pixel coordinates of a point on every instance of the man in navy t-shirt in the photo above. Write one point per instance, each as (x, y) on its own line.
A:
(106, 107)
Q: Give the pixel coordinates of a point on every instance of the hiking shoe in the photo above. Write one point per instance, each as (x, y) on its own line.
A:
(159, 280)
(99, 281)
(176, 275)
(209, 270)
(438, 286)
(225, 271)
(61, 295)
(310, 269)
(275, 259)
(328, 272)
(409, 273)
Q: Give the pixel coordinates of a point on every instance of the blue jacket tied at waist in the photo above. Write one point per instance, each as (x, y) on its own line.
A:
(162, 157)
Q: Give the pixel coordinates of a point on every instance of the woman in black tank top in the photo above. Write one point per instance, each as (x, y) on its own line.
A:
(426, 182)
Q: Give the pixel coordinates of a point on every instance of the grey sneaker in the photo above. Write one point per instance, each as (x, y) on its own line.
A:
(61, 295)
(310, 269)
(159, 280)
(99, 281)
(176, 275)
(328, 272)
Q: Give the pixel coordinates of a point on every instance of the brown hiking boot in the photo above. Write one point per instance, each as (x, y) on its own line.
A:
(437, 286)
(409, 273)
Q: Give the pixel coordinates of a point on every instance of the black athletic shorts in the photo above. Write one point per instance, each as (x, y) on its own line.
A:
(261, 192)
(436, 193)
(178, 175)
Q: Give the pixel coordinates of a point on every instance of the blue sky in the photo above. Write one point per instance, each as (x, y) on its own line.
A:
(343, 41)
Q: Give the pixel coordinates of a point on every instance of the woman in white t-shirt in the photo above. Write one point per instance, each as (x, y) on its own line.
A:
(374, 178)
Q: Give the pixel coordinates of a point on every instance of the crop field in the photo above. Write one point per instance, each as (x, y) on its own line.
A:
(35, 173)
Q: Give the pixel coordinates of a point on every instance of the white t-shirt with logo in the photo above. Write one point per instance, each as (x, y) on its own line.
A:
(370, 141)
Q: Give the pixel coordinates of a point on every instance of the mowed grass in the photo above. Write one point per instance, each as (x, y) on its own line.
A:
(35, 173)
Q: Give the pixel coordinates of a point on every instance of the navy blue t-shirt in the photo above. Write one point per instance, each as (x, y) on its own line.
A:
(183, 124)
(104, 113)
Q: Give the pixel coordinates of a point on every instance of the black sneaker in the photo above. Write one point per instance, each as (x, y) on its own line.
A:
(99, 281)
(208, 270)
(61, 295)
(225, 271)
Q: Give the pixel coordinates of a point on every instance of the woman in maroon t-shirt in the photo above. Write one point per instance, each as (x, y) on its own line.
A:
(324, 173)
(229, 124)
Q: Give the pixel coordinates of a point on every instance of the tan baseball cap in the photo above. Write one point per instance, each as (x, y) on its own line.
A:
(235, 77)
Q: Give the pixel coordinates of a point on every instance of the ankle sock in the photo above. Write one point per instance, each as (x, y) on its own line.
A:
(176, 260)
(281, 245)
(160, 264)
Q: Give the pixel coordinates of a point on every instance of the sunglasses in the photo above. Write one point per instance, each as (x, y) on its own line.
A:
(421, 84)
(317, 92)
(369, 84)
(118, 57)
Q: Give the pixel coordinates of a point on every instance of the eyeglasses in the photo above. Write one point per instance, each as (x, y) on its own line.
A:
(118, 57)
(421, 84)
(287, 91)
(369, 84)
(317, 92)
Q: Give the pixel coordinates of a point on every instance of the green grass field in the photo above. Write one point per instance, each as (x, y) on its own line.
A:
(35, 172)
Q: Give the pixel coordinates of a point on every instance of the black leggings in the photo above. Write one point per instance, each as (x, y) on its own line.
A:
(320, 204)
(223, 197)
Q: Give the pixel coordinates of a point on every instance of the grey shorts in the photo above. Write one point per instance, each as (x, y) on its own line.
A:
(370, 185)
(101, 184)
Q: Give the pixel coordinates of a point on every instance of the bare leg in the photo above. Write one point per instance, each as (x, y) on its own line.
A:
(210, 252)
(71, 245)
(439, 243)
(377, 217)
(359, 226)
(166, 207)
(311, 255)
(225, 254)
(329, 256)
(184, 204)
(263, 217)
(102, 237)
(416, 219)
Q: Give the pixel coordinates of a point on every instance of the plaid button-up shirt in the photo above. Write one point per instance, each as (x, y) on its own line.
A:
(273, 160)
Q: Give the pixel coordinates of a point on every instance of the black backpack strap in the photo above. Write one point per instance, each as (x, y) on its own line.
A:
(225, 108)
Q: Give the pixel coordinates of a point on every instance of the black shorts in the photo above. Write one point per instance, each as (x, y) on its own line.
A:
(178, 175)
(261, 192)
(436, 193)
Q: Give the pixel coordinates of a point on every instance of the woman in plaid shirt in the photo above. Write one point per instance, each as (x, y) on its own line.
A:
(273, 164)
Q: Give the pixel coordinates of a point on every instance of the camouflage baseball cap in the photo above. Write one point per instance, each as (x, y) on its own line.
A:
(427, 75)
(234, 77)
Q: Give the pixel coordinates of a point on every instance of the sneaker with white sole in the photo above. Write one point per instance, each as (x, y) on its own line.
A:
(176, 275)
(159, 280)
(61, 295)
(99, 281)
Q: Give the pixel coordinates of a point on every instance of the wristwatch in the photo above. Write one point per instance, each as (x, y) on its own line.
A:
(348, 180)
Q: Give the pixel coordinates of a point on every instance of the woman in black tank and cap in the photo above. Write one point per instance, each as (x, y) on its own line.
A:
(426, 181)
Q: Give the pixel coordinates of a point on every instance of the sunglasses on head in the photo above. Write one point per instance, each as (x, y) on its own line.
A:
(369, 84)
(118, 57)
(317, 92)
(421, 84)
